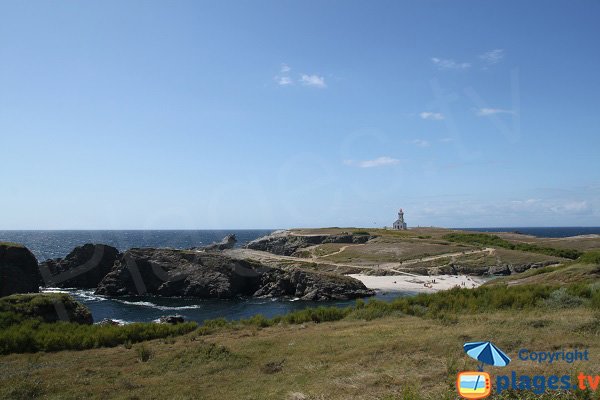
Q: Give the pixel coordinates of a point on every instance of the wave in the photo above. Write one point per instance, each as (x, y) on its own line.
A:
(158, 307)
(80, 294)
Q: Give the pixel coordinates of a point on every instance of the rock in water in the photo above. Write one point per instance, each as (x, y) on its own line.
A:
(168, 272)
(110, 322)
(312, 286)
(228, 242)
(172, 319)
(84, 267)
(19, 271)
(215, 275)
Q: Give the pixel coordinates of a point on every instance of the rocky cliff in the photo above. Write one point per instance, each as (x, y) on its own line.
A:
(84, 267)
(167, 272)
(19, 271)
(286, 244)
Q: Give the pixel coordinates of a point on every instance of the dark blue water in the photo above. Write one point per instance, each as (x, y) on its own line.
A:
(544, 232)
(53, 244)
(146, 309)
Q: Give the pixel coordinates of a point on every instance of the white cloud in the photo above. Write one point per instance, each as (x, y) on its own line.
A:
(449, 64)
(447, 140)
(431, 115)
(420, 142)
(378, 162)
(313, 80)
(493, 56)
(485, 112)
(284, 80)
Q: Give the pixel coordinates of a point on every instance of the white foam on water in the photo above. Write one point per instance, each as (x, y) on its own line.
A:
(158, 307)
(86, 295)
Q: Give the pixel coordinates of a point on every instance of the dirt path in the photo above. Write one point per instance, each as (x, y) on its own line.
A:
(269, 257)
(488, 250)
(340, 250)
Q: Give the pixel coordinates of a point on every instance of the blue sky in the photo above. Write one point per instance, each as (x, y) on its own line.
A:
(150, 115)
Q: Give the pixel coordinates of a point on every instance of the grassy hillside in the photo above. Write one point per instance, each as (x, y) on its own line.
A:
(482, 239)
(408, 349)
(586, 269)
(422, 250)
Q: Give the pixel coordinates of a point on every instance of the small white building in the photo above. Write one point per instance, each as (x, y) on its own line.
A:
(400, 224)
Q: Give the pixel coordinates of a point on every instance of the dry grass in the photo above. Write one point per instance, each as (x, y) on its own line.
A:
(391, 358)
(560, 274)
(390, 250)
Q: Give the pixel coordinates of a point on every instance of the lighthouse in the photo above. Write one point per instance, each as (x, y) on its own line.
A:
(400, 224)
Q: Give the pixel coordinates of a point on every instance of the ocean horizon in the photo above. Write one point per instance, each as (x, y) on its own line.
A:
(48, 244)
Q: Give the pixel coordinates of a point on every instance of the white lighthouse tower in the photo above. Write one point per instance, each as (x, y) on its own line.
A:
(400, 224)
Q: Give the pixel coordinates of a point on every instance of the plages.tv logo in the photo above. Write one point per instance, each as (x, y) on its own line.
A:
(477, 384)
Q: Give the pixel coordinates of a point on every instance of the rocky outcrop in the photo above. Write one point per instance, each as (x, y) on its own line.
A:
(19, 271)
(171, 319)
(168, 272)
(49, 307)
(311, 286)
(214, 275)
(285, 244)
(84, 267)
(499, 269)
(228, 242)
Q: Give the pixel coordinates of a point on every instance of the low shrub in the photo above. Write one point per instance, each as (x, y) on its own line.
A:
(444, 305)
(561, 298)
(483, 239)
(33, 335)
(144, 353)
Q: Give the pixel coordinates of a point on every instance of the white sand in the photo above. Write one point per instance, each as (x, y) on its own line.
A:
(417, 283)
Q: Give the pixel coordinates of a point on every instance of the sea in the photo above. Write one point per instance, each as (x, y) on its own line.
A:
(56, 244)
(543, 232)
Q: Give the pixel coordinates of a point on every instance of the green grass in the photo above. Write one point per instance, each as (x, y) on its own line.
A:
(483, 239)
(391, 357)
(442, 305)
(32, 336)
(41, 306)
(590, 257)
(11, 244)
(29, 323)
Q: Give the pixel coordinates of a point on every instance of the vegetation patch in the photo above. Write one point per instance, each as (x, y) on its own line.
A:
(11, 244)
(483, 239)
(41, 306)
(33, 335)
(590, 257)
(30, 323)
(443, 306)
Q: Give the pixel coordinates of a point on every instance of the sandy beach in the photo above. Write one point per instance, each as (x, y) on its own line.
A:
(418, 283)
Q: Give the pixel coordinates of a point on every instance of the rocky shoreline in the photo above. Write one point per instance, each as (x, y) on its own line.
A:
(204, 272)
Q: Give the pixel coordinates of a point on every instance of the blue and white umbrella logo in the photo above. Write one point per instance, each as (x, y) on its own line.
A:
(486, 353)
